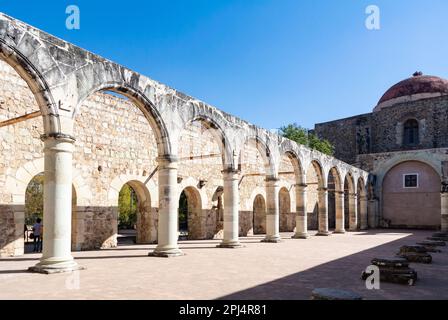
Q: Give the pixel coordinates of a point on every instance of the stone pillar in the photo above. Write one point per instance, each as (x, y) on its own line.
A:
(301, 214)
(231, 210)
(363, 212)
(444, 211)
(340, 215)
(353, 212)
(57, 220)
(372, 215)
(272, 211)
(168, 205)
(323, 212)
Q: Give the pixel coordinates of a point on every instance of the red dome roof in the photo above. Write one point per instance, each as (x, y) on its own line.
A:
(416, 85)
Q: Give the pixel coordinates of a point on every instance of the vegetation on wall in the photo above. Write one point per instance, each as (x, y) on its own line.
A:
(303, 136)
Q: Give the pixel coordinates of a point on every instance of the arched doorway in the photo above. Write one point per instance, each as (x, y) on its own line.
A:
(34, 209)
(135, 218)
(331, 201)
(218, 208)
(190, 215)
(259, 215)
(286, 219)
(411, 196)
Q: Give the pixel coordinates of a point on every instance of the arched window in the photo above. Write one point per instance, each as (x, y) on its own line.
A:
(410, 133)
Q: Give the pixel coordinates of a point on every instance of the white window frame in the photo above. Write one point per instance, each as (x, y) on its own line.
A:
(411, 174)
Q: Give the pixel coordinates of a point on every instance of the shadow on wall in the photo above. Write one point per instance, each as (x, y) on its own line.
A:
(345, 273)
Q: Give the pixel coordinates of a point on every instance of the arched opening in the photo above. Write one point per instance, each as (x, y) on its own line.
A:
(411, 196)
(259, 215)
(23, 101)
(218, 209)
(410, 133)
(254, 167)
(314, 184)
(191, 220)
(286, 219)
(350, 206)
(201, 147)
(34, 210)
(115, 137)
(334, 188)
(135, 214)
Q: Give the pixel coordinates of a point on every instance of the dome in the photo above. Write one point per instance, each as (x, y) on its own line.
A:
(417, 87)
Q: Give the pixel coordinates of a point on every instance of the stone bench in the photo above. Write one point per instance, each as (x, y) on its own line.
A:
(334, 294)
(395, 270)
(417, 254)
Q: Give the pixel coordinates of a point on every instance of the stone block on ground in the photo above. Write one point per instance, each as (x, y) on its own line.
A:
(334, 294)
(394, 270)
(416, 257)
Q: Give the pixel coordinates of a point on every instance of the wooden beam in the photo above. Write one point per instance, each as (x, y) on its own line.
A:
(25, 117)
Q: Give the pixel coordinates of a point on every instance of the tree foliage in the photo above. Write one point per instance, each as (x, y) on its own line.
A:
(34, 199)
(127, 208)
(303, 136)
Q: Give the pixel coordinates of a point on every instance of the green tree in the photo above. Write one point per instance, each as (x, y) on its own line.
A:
(127, 208)
(303, 136)
(34, 199)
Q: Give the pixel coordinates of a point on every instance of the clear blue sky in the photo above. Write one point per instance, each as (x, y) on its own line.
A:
(270, 62)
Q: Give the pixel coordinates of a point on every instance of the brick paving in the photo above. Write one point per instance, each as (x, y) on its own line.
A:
(287, 270)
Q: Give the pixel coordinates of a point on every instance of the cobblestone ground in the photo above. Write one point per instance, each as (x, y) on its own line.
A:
(287, 270)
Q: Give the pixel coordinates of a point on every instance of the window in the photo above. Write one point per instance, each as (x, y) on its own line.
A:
(410, 180)
(410, 132)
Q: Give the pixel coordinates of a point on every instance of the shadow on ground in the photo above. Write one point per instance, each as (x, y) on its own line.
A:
(345, 273)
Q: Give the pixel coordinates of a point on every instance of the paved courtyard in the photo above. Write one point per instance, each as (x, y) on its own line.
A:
(288, 270)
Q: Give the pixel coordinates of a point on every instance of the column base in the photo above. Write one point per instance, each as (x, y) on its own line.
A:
(168, 253)
(230, 245)
(46, 267)
(340, 232)
(353, 230)
(272, 239)
(323, 234)
(300, 236)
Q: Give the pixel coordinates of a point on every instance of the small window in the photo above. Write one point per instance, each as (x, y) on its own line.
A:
(410, 133)
(410, 180)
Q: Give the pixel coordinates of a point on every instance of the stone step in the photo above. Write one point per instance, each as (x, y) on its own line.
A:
(416, 257)
(334, 294)
(394, 262)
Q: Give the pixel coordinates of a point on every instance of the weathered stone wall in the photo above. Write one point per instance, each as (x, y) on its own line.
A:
(382, 131)
(116, 145)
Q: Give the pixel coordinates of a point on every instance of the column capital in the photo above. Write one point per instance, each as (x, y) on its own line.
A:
(62, 137)
(301, 186)
(272, 179)
(322, 189)
(341, 193)
(167, 161)
(229, 174)
(231, 171)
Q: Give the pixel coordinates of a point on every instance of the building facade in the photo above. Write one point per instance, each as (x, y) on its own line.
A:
(403, 143)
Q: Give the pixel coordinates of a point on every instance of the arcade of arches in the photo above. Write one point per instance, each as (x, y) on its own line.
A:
(195, 172)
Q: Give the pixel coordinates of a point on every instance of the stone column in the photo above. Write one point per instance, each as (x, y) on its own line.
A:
(353, 212)
(372, 215)
(323, 212)
(168, 205)
(57, 221)
(301, 214)
(231, 210)
(272, 211)
(340, 215)
(444, 211)
(363, 212)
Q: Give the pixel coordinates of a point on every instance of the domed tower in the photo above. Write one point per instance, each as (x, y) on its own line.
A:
(417, 87)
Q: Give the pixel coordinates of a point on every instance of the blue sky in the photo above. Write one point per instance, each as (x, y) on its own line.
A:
(270, 62)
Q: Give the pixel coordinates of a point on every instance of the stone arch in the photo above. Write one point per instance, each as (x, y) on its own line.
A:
(217, 127)
(194, 213)
(316, 184)
(411, 207)
(350, 202)
(265, 151)
(137, 97)
(334, 200)
(259, 214)
(286, 219)
(28, 68)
